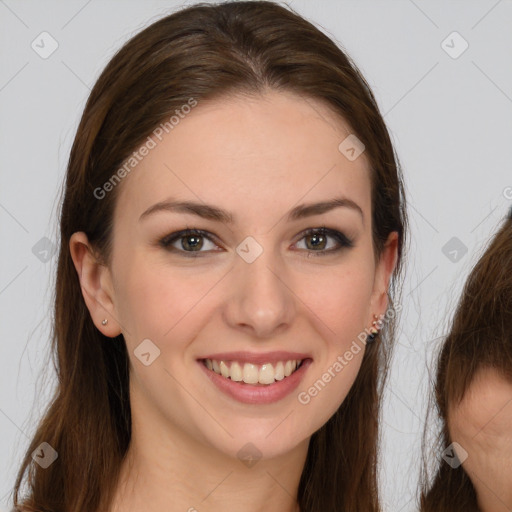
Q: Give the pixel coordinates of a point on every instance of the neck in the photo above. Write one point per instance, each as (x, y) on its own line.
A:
(166, 469)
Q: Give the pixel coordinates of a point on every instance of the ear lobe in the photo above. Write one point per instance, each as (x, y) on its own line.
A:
(385, 267)
(96, 284)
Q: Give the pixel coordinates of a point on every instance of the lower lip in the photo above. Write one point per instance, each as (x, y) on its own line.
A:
(249, 394)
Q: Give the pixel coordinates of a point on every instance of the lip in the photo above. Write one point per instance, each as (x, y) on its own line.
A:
(250, 394)
(257, 358)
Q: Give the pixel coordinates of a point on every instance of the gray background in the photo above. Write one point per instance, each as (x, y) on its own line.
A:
(450, 119)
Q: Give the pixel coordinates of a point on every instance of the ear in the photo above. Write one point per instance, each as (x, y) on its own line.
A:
(384, 270)
(96, 284)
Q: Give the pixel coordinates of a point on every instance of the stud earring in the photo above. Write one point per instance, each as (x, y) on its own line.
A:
(104, 322)
(373, 331)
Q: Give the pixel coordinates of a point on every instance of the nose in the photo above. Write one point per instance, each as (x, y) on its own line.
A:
(260, 303)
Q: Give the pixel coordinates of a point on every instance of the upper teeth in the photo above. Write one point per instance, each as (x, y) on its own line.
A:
(253, 373)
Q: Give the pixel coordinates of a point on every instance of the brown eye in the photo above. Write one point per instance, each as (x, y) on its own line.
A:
(189, 242)
(192, 242)
(318, 241)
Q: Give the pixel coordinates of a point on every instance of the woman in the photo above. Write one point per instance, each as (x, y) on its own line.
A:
(473, 391)
(232, 236)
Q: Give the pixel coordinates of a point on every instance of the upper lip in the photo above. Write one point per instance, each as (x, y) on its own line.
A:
(257, 358)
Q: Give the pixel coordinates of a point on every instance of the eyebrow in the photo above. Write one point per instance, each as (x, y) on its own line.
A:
(214, 213)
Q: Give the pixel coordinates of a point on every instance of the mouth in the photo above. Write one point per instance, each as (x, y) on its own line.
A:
(253, 374)
(256, 382)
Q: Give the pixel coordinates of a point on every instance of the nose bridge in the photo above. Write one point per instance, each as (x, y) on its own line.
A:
(260, 298)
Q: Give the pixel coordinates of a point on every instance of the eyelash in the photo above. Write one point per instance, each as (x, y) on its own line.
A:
(342, 239)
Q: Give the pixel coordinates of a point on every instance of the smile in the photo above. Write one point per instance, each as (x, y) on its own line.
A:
(259, 381)
(255, 374)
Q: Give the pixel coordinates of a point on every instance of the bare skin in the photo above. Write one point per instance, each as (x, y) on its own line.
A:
(258, 159)
(482, 425)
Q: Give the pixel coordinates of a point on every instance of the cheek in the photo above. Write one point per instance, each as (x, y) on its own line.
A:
(149, 302)
(339, 297)
(163, 303)
(341, 301)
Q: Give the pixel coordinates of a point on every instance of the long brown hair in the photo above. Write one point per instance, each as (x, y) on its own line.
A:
(204, 52)
(480, 337)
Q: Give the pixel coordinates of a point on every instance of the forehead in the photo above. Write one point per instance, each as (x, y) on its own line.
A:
(251, 152)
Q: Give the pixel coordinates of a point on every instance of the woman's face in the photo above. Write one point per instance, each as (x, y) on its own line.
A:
(251, 289)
